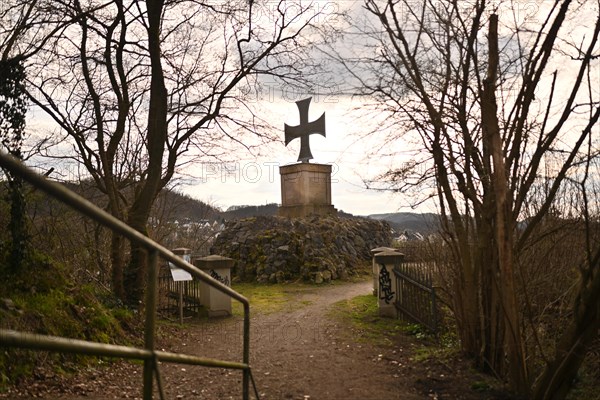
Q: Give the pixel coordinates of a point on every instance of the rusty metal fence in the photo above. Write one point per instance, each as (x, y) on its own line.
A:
(415, 293)
(148, 354)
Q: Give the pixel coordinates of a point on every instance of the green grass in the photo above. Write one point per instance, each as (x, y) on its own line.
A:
(272, 298)
(362, 314)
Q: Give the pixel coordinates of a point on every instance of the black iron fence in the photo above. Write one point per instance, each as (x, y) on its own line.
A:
(415, 293)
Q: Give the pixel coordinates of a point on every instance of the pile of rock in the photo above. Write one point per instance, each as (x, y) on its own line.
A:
(318, 248)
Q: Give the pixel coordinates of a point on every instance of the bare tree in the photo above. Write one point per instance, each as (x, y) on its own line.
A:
(25, 27)
(139, 88)
(467, 84)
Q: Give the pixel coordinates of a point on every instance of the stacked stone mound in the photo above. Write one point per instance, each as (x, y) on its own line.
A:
(317, 248)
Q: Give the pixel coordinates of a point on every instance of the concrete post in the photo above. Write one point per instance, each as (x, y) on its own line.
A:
(386, 283)
(219, 267)
(375, 271)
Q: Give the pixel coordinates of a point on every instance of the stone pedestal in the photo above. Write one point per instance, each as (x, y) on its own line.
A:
(216, 302)
(305, 189)
(386, 283)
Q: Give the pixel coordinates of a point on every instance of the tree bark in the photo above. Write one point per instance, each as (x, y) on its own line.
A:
(156, 142)
(512, 335)
(117, 258)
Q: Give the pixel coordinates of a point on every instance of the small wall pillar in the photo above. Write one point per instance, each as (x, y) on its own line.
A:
(375, 271)
(219, 267)
(386, 283)
(184, 253)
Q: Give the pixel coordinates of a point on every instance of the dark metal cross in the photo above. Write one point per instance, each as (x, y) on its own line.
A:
(305, 129)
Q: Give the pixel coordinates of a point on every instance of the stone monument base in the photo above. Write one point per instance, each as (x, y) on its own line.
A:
(305, 190)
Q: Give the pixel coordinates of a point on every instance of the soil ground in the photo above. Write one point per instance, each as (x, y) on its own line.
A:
(301, 351)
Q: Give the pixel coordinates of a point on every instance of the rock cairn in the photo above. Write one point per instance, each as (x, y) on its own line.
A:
(315, 248)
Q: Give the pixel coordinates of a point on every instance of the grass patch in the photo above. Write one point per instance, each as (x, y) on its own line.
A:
(434, 351)
(585, 386)
(363, 315)
(272, 298)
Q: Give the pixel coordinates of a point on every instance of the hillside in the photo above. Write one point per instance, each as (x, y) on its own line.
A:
(170, 204)
(425, 223)
(245, 211)
(183, 207)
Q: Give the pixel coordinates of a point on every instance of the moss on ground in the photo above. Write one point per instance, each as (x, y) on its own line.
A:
(44, 300)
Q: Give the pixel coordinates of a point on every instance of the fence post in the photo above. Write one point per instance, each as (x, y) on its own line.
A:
(149, 364)
(186, 254)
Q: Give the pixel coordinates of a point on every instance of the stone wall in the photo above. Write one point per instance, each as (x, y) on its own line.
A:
(316, 248)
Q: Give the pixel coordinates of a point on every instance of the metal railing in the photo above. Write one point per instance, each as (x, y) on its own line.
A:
(148, 354)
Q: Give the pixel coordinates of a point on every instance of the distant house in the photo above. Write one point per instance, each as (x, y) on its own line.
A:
(408, 236)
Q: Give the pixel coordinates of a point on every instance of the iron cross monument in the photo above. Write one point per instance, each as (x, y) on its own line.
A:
(305, 186)
(304, 130)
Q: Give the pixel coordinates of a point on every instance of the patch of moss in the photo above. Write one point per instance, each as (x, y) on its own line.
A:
(53, 305)
(39, 275)
(480, 386)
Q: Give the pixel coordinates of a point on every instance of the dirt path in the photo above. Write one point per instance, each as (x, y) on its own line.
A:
(301, 352)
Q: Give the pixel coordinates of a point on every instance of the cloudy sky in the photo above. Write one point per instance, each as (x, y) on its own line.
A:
(253, 179)
(354, 144)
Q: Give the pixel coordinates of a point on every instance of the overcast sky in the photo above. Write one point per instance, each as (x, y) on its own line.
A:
(252, 177)
(255, 180)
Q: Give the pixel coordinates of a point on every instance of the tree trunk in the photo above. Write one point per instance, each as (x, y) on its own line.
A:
(135, 274)
(156, 141)
(491, 356)
(507, 300)
(117, 256)
(467, 309)
(117, 242)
